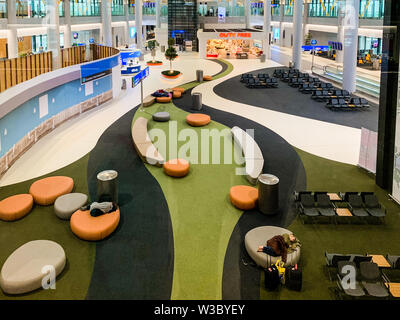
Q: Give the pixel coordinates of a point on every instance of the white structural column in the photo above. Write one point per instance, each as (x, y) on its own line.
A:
(350, 29)
(12, 39)
(106, 27)
(281, 18)
(267, 28)
(297, 32)
(139, 24)
(305, 18)
(158, 13)
(53, 31)
(126, 26)
(340, 34)
(67, 26)
(247, 12)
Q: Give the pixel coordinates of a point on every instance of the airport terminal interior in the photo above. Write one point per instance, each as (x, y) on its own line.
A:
(192, 150)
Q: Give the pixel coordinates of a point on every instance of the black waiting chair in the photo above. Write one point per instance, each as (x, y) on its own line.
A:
(372, 205)
(364, 103)
(358, 258)
(332, 260)
(306, 205)
(353, 292)
(372, 280)
(333, 103)
(324, 206)
(317, 95)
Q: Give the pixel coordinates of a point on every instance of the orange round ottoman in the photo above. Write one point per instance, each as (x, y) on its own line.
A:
(176, 168)
(176, 94)
(244, 197)
(15, 207)
(91, 228)
(181, 90)
(163, 99)
(198, 119)
(207, 78)
(47, 190)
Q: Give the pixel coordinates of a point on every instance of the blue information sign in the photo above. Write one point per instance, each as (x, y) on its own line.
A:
(313, 42)
(140, 76)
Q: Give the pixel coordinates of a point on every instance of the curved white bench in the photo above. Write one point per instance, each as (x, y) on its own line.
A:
(252, 154)
(143, 145)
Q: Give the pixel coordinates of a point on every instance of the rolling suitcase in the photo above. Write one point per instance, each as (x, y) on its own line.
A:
(272, 279)
(293, 278)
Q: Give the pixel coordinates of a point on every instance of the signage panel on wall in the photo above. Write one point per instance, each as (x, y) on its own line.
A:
(98, 69)
(221, 14)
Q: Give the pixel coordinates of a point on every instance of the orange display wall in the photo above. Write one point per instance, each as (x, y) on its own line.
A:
(232, 48)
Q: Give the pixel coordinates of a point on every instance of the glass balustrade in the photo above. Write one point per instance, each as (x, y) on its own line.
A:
(3, 9)
(323, 8)
(85, 8)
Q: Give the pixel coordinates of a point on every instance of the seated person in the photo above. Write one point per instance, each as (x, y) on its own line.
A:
(280, 246)
(100, 208)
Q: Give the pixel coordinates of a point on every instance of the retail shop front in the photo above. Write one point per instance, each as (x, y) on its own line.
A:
(232, 43)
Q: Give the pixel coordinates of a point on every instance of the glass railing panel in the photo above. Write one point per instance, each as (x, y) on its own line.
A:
(85, 8)
(3, 9)
(372, 9)
(31, 9)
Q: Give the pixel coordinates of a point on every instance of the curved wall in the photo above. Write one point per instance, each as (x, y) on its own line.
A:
(34, 108)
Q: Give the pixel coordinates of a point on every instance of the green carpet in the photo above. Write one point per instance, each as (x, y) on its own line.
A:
(228, 70)
(202, 216)
(327, 175)
(42, 223)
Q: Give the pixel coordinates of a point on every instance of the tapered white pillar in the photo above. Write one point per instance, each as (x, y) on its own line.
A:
(12, 38)
(158, 13)
(247, 12)
(350, 28)
(340, 34)
(139, 24)
(67, 25)
(53, 32)
(305, 19)
(126, 26)
(297, 33)
(267, 28)
(106, 27)
(281, 17)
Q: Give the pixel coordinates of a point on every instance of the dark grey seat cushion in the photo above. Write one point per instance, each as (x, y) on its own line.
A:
(360, 212)
(161, 116)
(357, 292)
(375, 289)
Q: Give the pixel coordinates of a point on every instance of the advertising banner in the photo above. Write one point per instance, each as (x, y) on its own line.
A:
(221, 14)
(98, 69)
(368, 150)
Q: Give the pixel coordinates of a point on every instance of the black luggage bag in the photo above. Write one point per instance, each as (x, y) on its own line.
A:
(293, 279)
(272, 279)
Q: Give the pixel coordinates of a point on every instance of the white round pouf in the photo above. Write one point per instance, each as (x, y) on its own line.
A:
(258, 237)
(67, 204)
(22, 271)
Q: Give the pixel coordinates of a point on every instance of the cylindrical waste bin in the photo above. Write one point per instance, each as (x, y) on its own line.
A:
(268, 193)
(107, 186)
(263, 57)
(197, 101)
(199, 75)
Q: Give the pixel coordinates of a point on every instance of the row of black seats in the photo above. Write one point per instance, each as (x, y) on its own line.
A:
(350, 204)
(261, 83)
(326, 95)
(350, 104)
(246, 76)
(279, 73)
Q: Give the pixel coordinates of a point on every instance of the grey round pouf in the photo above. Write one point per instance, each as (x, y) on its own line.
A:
(161, 116)
(67, 204)
(258, 237)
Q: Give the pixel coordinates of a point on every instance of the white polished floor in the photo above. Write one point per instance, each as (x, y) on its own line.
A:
(75, 138)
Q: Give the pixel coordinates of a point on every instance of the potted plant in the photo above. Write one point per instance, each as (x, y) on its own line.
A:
(171, 54)
(152, 45)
